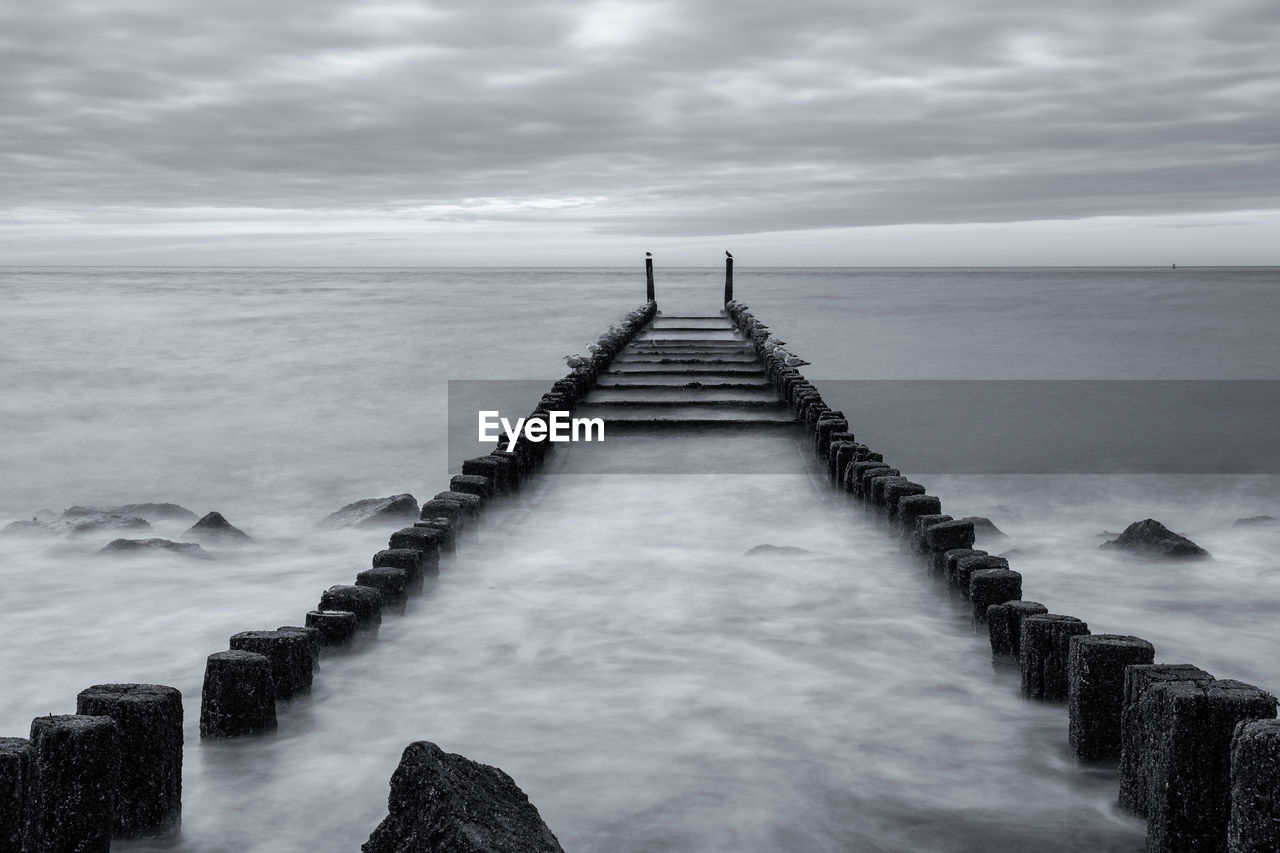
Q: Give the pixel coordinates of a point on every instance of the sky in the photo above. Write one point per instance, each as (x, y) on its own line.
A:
(586, 132)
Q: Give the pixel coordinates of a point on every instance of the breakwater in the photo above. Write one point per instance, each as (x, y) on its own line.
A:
(1185, 745)
(113, 769)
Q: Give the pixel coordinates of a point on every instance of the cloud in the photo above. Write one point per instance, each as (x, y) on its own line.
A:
(628, 117)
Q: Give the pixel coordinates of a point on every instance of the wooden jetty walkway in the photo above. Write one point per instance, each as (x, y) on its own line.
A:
(686, 372)
(1197, 757)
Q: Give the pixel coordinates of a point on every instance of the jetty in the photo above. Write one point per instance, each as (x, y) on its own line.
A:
(1196, 757)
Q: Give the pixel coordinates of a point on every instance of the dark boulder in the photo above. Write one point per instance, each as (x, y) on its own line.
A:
(151, 512)
(985, 527)
(445, 803)
(774, 550)
(372, 511)
(133, 546)
(214, 528)
(1150, 538)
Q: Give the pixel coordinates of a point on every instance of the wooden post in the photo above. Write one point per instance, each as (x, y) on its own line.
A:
(648, 277)
(728, 278)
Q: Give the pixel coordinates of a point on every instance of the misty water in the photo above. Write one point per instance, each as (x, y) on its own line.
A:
(606, 641)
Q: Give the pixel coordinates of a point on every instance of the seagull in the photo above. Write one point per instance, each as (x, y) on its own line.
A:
(727, 255)
(648, 254)
(795, 361)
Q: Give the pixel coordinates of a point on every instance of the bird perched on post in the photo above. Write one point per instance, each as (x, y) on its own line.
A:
(648, 254)
(726, 254)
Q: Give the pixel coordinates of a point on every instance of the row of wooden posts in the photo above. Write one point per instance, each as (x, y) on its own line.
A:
(114, 768)
(1198, 757)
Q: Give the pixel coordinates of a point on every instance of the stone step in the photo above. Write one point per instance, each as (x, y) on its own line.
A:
(705, 398)
(660, 358)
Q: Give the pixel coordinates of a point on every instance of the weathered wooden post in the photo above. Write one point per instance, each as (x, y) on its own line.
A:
(1004, 626)
(335, 628)
(1255, 778)
(1137, 733)
(1044, 646)
(239, 696)
(648, 277)
(290, 656)
(1189, 790)
(728, 278)
(75, 767)
(15, 789)
(149, 796)
(1095, 690)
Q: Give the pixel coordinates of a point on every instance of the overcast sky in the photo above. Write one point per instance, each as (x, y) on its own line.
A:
(574, 132)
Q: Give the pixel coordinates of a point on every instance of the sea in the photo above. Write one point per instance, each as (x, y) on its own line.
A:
(606, 640)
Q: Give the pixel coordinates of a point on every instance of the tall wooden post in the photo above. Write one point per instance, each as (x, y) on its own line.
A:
(728, 278)
(648, 277)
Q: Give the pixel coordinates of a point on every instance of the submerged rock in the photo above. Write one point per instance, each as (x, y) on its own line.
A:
(1254, 520)
(445, 803)
(983, 526)
(761, 550)
(1152, 539)
(214, 528)
(151, 512)
(80, 525)
(126, 546)
(26, 528)
(392, 510)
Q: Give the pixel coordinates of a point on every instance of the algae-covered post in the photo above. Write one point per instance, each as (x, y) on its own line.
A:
(648, 277)
(728, 279)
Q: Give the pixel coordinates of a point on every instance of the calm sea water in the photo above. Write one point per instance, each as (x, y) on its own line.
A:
(606, 642)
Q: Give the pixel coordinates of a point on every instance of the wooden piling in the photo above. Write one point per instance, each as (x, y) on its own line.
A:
(1137, 735)
(239, 696)
(728, 279)
(1254, 826)
(365, 602)
(648, 279)
(1004, 625)
(1042, 655)
(335, 628)
(1189, 792)
(148, 798)
(289, 654)
(992, 586)
(15, 792)
(75, 763)
(1095, 691)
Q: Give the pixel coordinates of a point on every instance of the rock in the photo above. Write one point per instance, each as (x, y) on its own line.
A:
(127, 546)
(445, 803)
(983, 526)
(214, 528)
(26, 528)
(1253, 521)
(1150, 538)
(81, 525)
(373, 511)
(151, 512)
(762, 550)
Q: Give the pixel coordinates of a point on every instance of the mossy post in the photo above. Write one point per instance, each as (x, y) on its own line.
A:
(149, 796)
(75, 773)
(336, 629)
